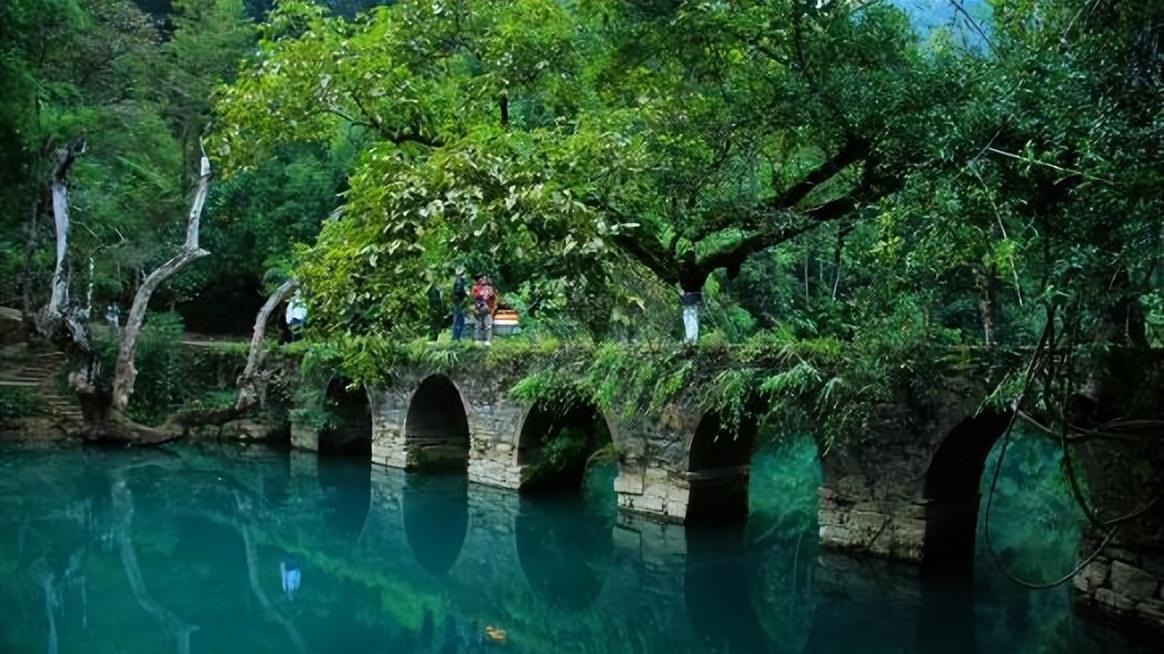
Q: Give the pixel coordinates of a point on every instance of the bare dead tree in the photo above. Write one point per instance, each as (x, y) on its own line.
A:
(58, 321)
(248, 380)
(125, 373)
(66, 324)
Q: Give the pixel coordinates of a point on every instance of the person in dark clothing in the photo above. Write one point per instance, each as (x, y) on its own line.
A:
(436, 309)
(460, 300)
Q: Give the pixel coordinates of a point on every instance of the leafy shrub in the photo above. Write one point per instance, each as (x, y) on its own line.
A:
(171, 376)
(563, 455)
(16, 403)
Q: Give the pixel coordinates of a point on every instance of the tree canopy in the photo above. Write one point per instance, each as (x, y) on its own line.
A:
(880, 175)
(767, 146)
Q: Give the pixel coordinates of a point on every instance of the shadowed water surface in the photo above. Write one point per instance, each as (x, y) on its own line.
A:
(198, 550)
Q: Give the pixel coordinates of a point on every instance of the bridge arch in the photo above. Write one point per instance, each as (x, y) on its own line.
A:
(349, 426)
(719, 455)
(436, 428)
(950, 492)
(567, 432)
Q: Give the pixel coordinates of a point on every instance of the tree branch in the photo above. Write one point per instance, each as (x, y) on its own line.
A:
(647, 251)
(125, 373)
(247, 388)
(849, 154)
(397, 135)
(733, 258)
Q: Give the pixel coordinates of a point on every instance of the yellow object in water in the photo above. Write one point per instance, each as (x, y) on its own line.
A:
(495, 634)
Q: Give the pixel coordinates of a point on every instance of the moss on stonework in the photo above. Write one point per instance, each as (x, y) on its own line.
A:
(822, 382)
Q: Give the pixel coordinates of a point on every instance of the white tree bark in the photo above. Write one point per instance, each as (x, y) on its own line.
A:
(58, 321)
(59, 299)
(247, 386)
(125, 374)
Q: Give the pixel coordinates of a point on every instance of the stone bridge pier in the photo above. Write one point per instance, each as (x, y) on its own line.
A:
(683, 465)
(906, 489)
(449, 422)
(454, 422)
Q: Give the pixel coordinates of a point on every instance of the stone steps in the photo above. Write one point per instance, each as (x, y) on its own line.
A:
(39, 374)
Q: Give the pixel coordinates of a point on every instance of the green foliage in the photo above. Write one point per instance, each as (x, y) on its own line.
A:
(566, 450)
(868, 206)
(16, 403)
(171, 376)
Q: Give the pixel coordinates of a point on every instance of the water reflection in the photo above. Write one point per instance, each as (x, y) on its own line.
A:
(781, 580)
(946, 618)
(564, 562)
(436, 519)
(719, 604)
(133, 552)
(346, 486)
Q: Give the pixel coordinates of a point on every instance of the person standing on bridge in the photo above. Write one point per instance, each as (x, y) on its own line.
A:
(484, 303)
(460, 299)
(436, 307)
(690, 301)
(296, 314)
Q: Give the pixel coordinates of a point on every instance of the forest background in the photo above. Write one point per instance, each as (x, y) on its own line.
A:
(871, 183)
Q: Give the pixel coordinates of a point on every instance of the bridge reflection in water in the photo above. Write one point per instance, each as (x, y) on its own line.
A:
(566, 572)
(395, 561)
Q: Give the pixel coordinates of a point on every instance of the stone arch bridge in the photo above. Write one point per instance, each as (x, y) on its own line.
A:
(906, 488)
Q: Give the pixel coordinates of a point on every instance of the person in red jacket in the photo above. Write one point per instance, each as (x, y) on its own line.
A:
(484, 297)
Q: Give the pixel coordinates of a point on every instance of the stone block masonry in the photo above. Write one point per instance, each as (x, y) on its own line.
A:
(426, 422)
(906, 488)
(1122, 580)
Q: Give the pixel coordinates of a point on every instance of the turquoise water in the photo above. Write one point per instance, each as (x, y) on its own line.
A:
(181, 550)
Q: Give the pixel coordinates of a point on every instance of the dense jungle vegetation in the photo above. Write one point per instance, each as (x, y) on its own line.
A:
(858, 188)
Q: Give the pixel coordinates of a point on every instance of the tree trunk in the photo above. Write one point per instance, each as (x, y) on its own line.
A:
(985, 282)
(126, 374)
(842, 232)
(60, 193)
(58, 321)
(104, 412)
(105, 422)
(807, 269)
(248, 393)
(59, 299)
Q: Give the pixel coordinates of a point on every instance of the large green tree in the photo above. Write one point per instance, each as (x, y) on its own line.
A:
(554, 144)
(472, 147)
